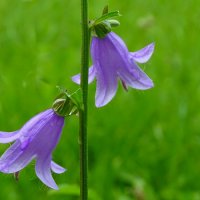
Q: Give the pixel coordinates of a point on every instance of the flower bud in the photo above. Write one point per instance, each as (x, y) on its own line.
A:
(113, 22)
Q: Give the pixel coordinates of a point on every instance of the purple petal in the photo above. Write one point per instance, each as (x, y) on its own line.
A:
(77, 79)
(91, 76)
(143, 55)
(134, 77)
(106, 89)
(15, 159)
(43, 171)
(118, 44)
(48, 138)
(48, 135)
(6, 137)
(57, 168)
(41, 126)
(103, 55)
(9, 155)
(34, 125)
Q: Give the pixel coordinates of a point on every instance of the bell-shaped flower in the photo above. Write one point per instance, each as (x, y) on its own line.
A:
(35, 140)
(112, 61)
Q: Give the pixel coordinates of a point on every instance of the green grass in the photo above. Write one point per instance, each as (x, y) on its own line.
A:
(142, 145)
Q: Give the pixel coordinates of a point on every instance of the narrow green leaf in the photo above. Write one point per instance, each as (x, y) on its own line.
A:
(76, 97)
(107, 16)
(105, 10)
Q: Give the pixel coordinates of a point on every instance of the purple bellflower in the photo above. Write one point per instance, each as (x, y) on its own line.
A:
(35, 140)
(112, 60)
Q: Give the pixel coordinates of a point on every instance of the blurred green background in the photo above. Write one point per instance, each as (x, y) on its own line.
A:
(142, 145)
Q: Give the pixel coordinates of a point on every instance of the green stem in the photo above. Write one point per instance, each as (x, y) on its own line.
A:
(83, 113)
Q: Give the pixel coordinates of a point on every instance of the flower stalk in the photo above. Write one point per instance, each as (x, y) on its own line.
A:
(83, 112)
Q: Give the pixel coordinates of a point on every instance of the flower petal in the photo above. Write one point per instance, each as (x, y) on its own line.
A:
(57, 168)
(43, 171)
(9, 155)
(106, 88)
(33, 126)
(41, 127)
(15, 159)
(91, 76)
(134, 77)
(48, 136)
(77, 79)
(104, 61)
(143, 55)
(6, 137)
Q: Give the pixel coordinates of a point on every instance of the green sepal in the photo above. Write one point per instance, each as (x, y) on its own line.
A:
(101, 26)
(67, 104)
(107, 16)
(102, 29)
(76, 98)
(105, 10)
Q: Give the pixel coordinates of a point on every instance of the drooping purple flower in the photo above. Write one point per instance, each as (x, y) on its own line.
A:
(35, 140)
(112, 61)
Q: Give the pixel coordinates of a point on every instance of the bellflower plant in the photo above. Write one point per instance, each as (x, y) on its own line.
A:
(112, 61)
(35, 140)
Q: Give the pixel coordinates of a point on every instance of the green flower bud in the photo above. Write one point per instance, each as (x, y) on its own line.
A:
(113, 22)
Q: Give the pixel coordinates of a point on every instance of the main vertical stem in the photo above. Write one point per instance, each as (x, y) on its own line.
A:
(83, 113)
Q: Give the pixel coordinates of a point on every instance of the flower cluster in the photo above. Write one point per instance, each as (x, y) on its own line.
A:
(112, 61)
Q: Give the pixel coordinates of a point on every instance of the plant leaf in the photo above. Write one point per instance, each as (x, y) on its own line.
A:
(107, 16)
